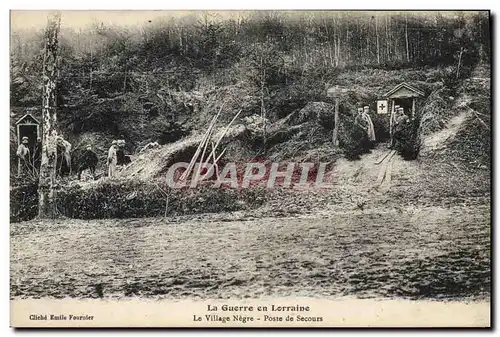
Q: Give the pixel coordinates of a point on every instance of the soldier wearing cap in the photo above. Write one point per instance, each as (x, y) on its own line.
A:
(120, 152)
(363, 119)
(64, 148)
(401, 120)
(23, 152)
(112, 159)
(371, 129)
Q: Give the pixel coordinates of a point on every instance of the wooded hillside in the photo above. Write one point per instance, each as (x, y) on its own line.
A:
(155, 81)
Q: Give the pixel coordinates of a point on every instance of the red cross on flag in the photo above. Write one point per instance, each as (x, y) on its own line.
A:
(382, 107)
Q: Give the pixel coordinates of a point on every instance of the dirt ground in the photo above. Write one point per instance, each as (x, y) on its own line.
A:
(431, 252)
(422, 232)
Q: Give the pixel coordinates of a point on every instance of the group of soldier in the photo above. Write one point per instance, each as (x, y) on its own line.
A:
(30, 159)
(364, 120)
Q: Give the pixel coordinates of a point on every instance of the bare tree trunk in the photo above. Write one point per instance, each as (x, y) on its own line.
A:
(387, 40)
(90, 73)
(328, 57)
(47, 183)
(335, 42)
(338, 50)
(406, 35)
(378, 42)
(347, 45)
(368, 57)
(459, 61)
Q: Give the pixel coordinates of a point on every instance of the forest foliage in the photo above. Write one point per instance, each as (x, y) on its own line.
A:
(155, 81)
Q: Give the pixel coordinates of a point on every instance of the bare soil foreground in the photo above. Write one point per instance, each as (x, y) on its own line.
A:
(426, 253)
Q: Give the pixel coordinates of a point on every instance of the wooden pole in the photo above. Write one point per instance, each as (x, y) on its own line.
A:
(207, 141)
(216, 169)
(198, 150)
(335, 137)
(203, 153)
(197, 153)
(391, 121)
(223, 134)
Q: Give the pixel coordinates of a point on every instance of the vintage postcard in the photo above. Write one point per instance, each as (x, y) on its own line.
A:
(250, 169)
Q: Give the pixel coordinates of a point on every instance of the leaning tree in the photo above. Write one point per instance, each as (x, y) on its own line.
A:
(47, 187)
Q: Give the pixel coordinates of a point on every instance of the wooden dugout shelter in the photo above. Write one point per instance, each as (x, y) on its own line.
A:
(27, 126)
(405, 96)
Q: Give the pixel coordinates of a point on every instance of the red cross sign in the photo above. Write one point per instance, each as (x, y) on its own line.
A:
(382, 107)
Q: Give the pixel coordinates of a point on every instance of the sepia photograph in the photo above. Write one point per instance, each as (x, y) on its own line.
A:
(250, 168)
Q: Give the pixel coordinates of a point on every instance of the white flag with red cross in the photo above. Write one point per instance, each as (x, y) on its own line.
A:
(382, 107)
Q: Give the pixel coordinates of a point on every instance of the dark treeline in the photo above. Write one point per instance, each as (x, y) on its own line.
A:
(109, 74)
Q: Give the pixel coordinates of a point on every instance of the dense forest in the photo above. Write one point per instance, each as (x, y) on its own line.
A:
(157, 81)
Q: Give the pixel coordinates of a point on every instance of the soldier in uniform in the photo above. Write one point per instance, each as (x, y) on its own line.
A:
(37, 155)
(120, 152)
(23, 152)
(364, 120)
(400, 122)
(64, 156)
(370, 130)
(112, 159)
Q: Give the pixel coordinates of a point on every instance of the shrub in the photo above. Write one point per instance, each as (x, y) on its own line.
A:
(435, 111)
(408, 141)
(353, 139)
(130, 199)
(23, 202)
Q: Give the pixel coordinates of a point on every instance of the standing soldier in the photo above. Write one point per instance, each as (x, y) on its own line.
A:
(371, 129)
(363, 119)
(120, 152)
(400, 122)
(23, 152)
(64, 148)
(112, 159)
